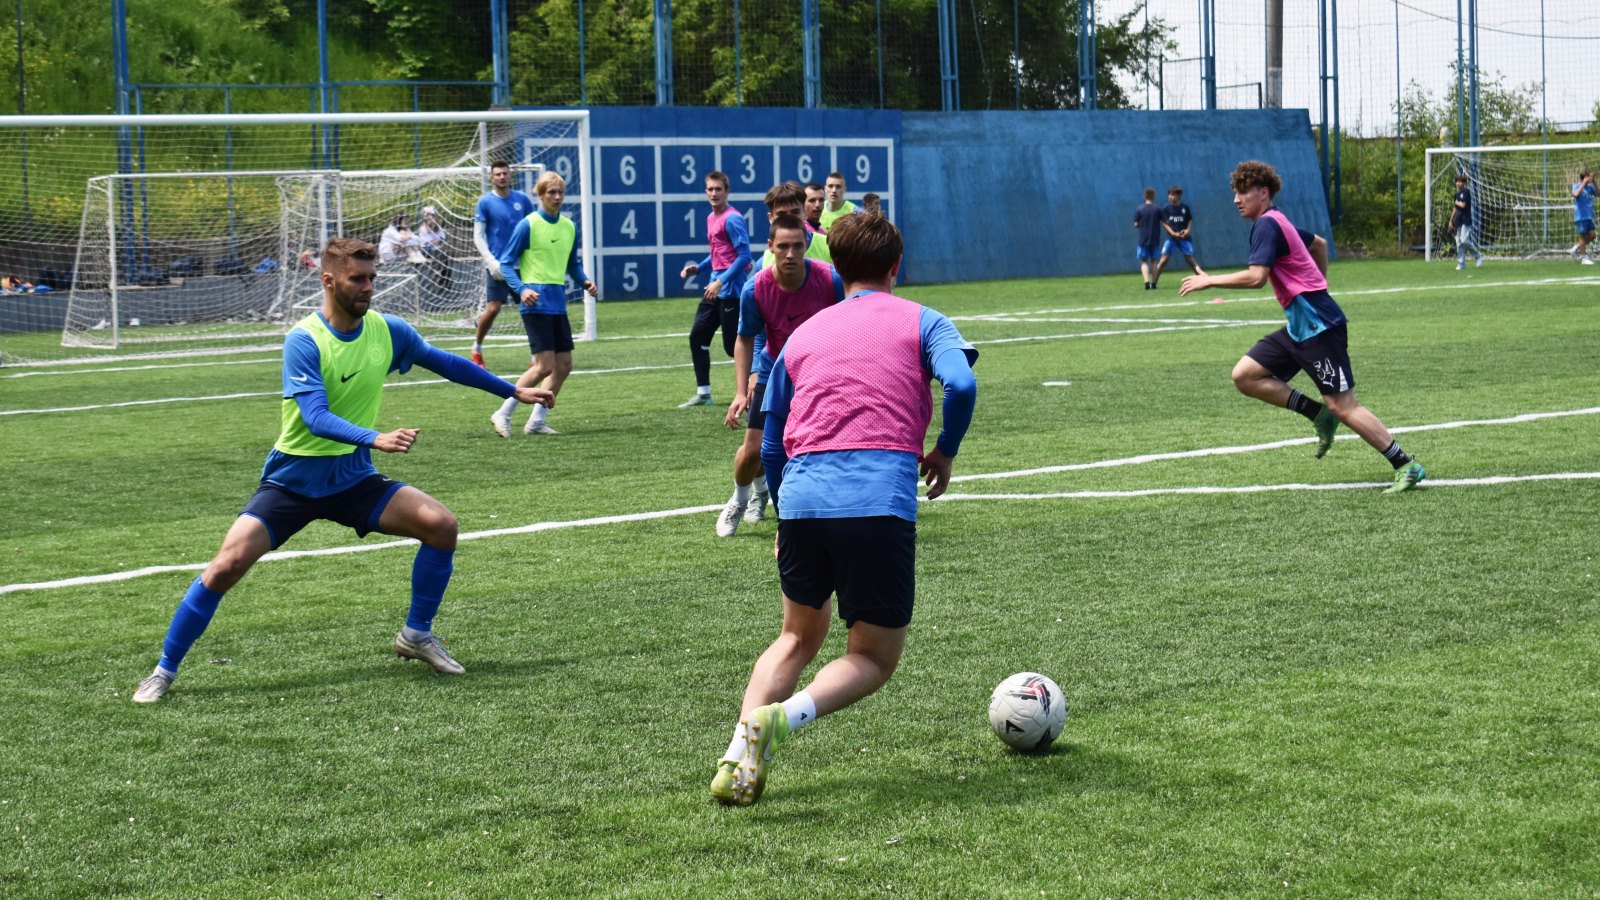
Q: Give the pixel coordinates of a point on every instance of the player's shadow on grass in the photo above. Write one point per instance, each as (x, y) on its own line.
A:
(1006, 778)
(485, 675)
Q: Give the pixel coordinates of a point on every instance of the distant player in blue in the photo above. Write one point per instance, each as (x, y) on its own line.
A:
(1178, 221)
(1583, 193)
(335, 361)
(1147, 220)
(844, 444)
(538, 258)
(1314, 339)
(1461, 224)
(497, 214)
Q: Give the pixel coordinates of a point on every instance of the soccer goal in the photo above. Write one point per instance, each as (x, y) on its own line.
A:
(200, 235)
(1521, 197)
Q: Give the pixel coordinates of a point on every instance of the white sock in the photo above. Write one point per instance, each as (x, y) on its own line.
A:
(801, 710)
(413, 635)
(538, 414)
(508, 407)
(760, 485)
(737, 745)
(703, 390)
(741, 493)
(477, 347)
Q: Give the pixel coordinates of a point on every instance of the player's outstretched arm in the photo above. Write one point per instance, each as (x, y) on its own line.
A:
(1253, 277)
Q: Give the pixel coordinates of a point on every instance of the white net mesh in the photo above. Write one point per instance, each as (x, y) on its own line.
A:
(1522, 204)
(207, 240)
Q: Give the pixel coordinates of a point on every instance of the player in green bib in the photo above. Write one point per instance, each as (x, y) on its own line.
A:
(835, 205)
(539, 257)
(335, 361)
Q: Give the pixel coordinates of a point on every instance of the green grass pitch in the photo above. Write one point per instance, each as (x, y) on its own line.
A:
(1275, 692)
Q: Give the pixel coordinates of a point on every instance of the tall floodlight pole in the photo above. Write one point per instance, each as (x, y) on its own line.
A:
(1399, 142)
(949, 66)
(1275, 54)
(1087, 89)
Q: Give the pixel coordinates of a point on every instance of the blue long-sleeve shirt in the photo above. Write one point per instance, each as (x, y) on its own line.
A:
(319, 476)
(857, 483)
(552, 299)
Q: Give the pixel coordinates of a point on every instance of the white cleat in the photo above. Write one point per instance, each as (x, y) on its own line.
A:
(153, 688)
(757, 511)
(728, 521)
(538, 428)
(502, 425)
(1586, 261)
(696, 400)
(430, 651)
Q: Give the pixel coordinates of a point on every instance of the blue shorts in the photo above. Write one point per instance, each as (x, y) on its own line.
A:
(495, 290)
(1185, 248)
(1584, 226)
(285, 512)
(869, 561)
(548, 333)
(1146, 251)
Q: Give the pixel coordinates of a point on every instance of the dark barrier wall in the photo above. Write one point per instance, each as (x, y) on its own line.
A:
(1039, 194)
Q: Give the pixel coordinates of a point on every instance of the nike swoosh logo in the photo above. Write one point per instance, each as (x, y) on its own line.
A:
(344, 378)
(300, 378)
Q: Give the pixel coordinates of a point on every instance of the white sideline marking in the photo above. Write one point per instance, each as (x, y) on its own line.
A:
(363, 548)
(1056, 383)
(191, 365)
(1272, 445)
(391, 384)
(1264, 488)
(1087, 334)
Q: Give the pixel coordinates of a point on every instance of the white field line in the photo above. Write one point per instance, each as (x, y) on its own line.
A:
(695, 510)
(393, 384)
(1264, 488)
(1266, 298)
(189, 365)
(278, 555)
(1090, 334)
(1138, 321)
(1271, 445)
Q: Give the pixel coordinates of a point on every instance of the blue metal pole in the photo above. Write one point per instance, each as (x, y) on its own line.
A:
(879, 5)
(1472, 44)
(663, 29)
(322, 81)
(811, 57)
(583, 50)
(1322, 89)
(949, 66)
(1399, 143)
(501, 91)
(22, 110)
(1087, 87)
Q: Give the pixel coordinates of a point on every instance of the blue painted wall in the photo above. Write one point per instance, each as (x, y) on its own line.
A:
(1041, 194)
(979, 195)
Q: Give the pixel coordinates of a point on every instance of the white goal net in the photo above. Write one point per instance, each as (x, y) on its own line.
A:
(191, 235)
(1522, 204)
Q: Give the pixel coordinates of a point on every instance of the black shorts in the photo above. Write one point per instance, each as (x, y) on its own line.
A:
(870, 562)
(548, 333)
(285, 512)
(758, 416)
(495, 290)
(1324, 357)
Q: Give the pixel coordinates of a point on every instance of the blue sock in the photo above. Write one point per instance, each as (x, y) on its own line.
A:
(188, 623)
(430, 575)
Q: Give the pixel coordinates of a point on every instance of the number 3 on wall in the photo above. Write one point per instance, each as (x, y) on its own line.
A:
(688, 169)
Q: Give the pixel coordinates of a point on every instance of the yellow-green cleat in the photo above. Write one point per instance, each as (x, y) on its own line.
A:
(766, 728)
(1326, 423)
(722, 785)
(1407, 477)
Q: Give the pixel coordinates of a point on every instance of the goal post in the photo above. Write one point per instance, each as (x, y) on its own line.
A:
(201, 234)
(1522, 204)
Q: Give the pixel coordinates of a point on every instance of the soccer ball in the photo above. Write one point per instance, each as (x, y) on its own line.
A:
(1027, 711)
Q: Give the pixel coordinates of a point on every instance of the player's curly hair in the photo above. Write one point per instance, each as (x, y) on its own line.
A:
(1252, 174)
(340, 250)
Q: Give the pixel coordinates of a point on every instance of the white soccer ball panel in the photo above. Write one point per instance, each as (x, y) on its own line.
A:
(1027, 711)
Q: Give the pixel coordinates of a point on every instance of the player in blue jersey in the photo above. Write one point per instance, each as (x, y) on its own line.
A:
(1314, 341)
(1177, 219)
(497, 214)
(1583, 194)
(1461, 224)
(729, 266)
(1147, 221)
(540, 255)
(844, 446)
(334, 364)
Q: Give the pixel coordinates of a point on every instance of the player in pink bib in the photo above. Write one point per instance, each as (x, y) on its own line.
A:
(848, 410)
(1295, 261)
